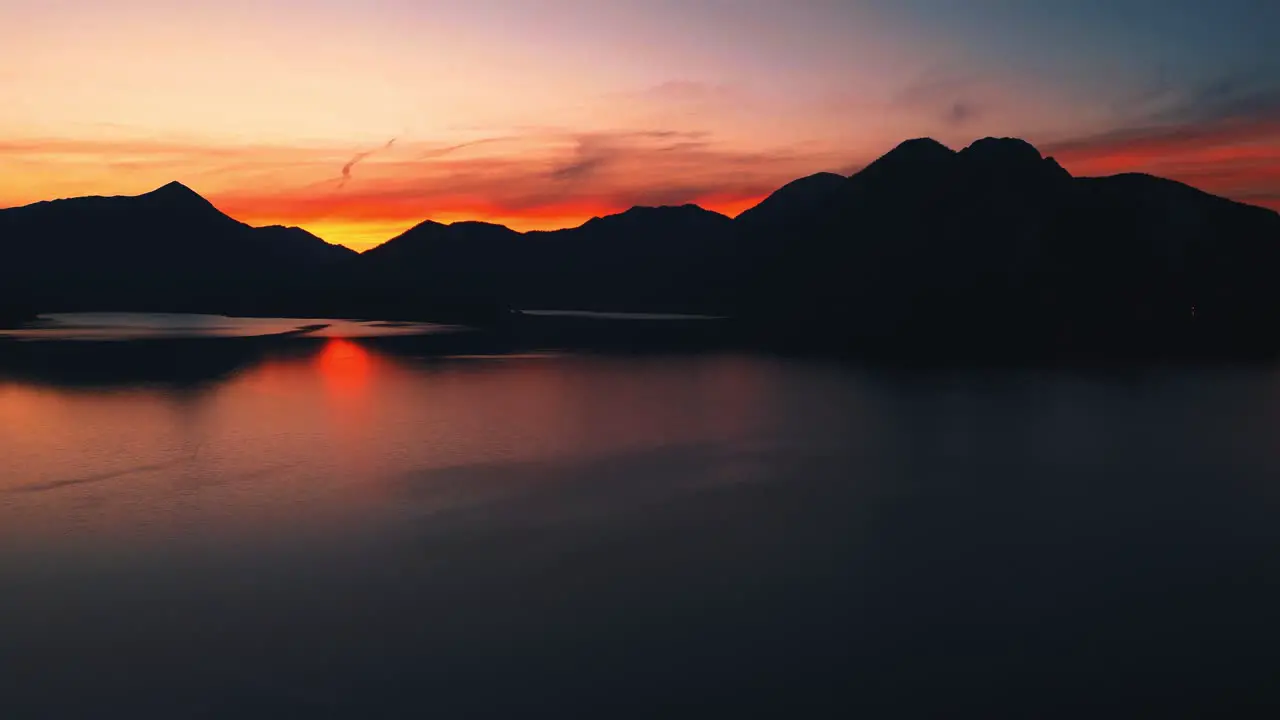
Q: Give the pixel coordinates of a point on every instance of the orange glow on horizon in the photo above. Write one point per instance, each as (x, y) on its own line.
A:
(540, 180)
(369, 225)
(527, 180)
(1233, 159)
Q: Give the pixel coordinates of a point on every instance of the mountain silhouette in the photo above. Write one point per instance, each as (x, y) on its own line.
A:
(995, 247)
(644, 258)
(797, 199)
(992, 248)
(169, 249)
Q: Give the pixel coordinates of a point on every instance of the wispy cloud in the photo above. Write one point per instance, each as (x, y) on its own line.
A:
(594, 153)
(346, 169)
(450, 149)
(1241, 96)
(590, 155)
(551, 173)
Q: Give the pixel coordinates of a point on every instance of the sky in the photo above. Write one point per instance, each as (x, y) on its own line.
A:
(357, 119)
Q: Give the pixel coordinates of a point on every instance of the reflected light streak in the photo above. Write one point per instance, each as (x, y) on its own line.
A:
(345, 368)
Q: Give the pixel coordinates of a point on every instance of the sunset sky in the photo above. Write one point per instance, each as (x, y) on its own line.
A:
(357, 119)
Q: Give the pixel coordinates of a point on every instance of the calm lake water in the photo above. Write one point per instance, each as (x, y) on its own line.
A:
(144, 326)
(342, 531)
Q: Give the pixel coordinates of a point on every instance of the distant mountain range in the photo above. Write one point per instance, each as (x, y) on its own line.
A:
(927, 247)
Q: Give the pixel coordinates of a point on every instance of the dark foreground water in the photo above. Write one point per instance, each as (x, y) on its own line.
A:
(342, 532)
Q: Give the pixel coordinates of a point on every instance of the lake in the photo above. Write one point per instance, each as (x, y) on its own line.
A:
(343, 528)
(155, 326)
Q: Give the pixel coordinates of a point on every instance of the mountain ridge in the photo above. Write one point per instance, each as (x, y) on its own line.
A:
(994, 244)
(913, 146)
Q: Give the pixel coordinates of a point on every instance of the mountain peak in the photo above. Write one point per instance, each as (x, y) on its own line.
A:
(174, 189)
(820, 179)
(1006, 155)
(1006, 148)
(178, 203)
(688, 208)
(920, 150)
(647, 214)
(912, 156)
(176, 196)
(795, 199)
(482, 226)
(922, 145)
(432, 232)
(824, 177)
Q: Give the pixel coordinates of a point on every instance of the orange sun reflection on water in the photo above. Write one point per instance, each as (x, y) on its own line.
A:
(348, 374)
(345, 367)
